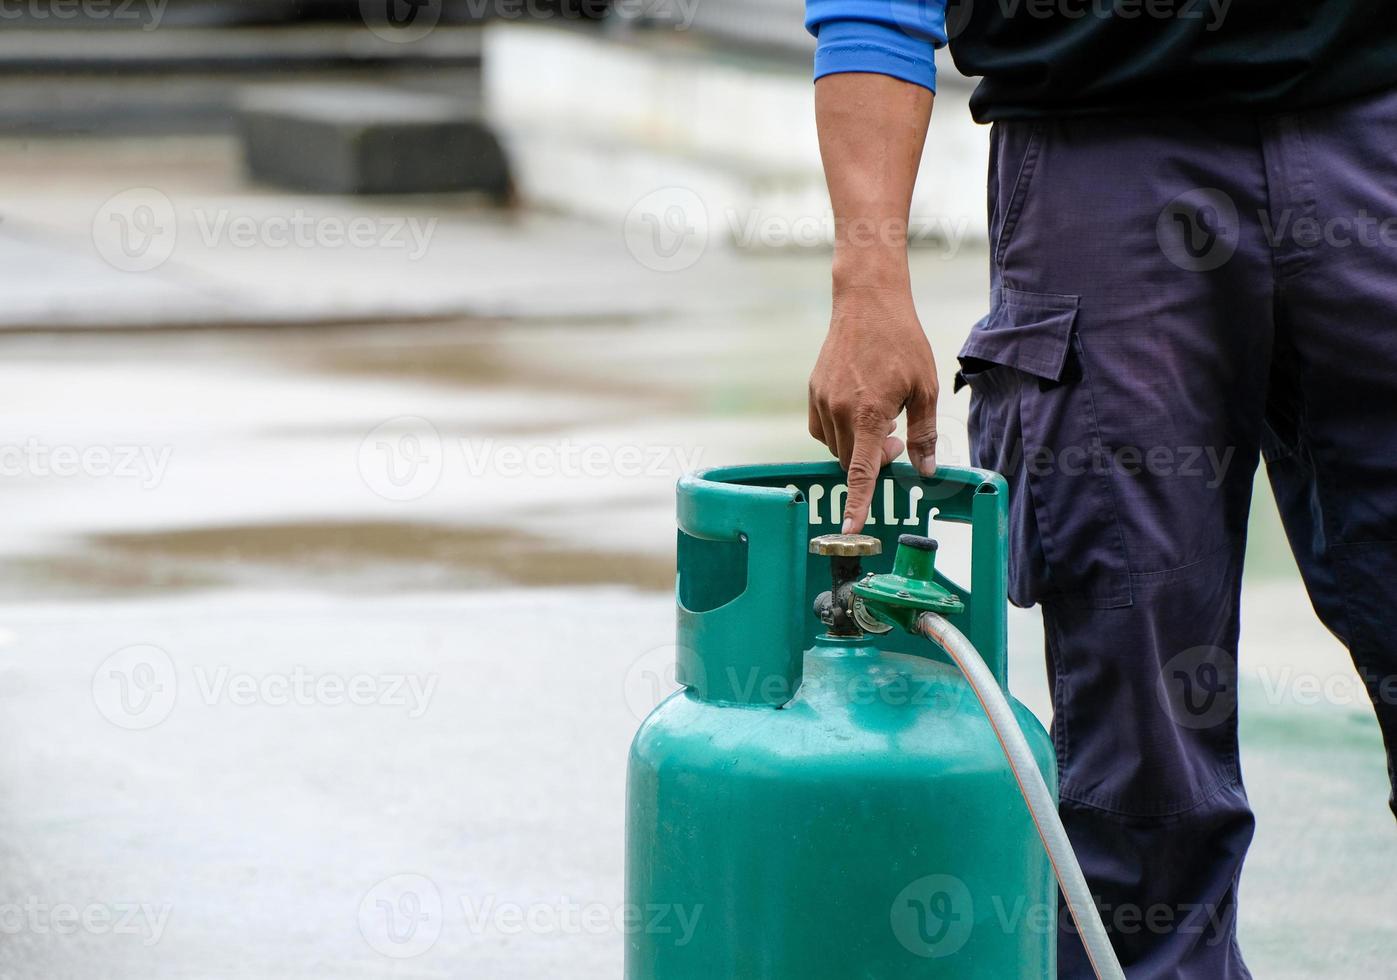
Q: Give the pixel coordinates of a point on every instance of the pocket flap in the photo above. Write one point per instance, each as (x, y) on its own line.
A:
(1031, 332)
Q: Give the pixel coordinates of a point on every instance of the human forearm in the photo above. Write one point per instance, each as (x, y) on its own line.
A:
(872, 129)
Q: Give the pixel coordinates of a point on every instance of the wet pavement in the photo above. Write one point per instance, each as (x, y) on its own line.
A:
(322, 636)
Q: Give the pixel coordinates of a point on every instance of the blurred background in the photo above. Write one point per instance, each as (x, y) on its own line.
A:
(349, 353)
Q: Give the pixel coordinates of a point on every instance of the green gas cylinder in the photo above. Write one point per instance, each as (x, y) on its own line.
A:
(823, 800)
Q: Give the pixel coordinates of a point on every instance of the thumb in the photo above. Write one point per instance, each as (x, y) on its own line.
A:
(863, 474)
(921, 429)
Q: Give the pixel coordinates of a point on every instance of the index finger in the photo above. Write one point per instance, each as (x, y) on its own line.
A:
(863, 475)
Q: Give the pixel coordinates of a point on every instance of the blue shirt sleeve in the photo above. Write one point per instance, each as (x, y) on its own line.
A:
(885, 37)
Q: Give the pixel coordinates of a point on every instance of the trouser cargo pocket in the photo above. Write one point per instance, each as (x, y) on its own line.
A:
(1032, 418)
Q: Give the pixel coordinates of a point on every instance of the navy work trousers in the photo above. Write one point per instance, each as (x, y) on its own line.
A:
(1174, 298)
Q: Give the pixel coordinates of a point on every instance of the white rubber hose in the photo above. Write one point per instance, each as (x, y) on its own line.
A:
(1036, 794)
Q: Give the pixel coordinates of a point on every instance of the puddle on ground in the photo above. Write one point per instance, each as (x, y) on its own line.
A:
(351, 557)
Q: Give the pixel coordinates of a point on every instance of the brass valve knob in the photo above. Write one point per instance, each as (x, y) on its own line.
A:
(846, 545)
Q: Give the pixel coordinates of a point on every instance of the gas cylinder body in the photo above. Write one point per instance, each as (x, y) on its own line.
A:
(813, 806)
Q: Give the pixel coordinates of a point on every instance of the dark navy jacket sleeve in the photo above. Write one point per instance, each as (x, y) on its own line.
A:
(885, 37)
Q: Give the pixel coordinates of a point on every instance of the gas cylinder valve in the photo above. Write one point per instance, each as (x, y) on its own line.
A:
(839, 608)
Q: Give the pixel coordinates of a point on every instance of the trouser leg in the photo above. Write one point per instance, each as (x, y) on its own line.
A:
(1119, 384)
(1332, 446)
(1152, 793)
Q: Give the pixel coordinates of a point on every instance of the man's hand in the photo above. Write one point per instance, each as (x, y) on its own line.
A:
(876, 361)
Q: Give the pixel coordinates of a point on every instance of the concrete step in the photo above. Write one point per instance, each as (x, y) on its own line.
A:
(233, 49)
(368, 139)
(148, 14)
(177, 81)
(199, 104)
